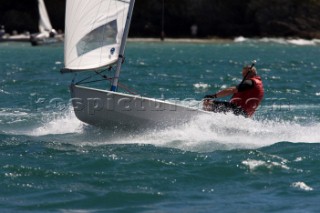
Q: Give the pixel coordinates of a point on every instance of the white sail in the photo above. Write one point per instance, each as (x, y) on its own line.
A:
(44, 22)
(93, 32)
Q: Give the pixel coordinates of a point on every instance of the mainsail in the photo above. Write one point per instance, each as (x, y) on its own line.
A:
(44, 22)
(93, 33)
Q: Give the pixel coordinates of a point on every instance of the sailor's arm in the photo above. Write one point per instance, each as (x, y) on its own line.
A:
(247, 84)
(223, 93)
(226, 92)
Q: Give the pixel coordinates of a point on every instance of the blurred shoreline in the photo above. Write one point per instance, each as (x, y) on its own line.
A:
(182, 40)
(213, 40)
(240, 39)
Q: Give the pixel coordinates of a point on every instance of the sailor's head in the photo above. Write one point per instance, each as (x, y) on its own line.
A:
(249, 71)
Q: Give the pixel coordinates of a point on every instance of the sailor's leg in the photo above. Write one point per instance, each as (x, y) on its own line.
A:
(223, 107)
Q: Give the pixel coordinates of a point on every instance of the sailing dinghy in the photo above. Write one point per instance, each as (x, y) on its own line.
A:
(95, 37)
(46, 35)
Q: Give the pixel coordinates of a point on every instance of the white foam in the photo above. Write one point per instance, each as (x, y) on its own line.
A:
(301, 186)
(12, 113)
(4, 92)
(215, 131)
(297, 41)
(254, 164)
(298, 159)
(205, 133)
(201, 85)
(59, 124)
(274, 40)
(240, 39)
(301, 42)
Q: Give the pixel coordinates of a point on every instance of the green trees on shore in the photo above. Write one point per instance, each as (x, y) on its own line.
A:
(213, 18)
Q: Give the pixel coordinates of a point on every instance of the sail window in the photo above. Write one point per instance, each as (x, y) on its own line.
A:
(99, 37)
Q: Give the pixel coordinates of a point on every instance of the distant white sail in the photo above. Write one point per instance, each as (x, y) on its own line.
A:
(44, 23)
(93, 32)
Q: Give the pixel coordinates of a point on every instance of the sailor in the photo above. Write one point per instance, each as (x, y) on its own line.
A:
(246, 96)
(52, 33)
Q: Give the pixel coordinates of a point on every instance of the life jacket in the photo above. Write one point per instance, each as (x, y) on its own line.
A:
(249, 99)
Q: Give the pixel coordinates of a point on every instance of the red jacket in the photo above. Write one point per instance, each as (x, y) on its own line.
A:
(250, 99)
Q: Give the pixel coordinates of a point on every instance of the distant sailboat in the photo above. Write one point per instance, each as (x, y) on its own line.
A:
(95, 37)
(46, 35)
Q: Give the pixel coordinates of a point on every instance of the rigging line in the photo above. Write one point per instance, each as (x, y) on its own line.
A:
(109, 79)
(88, 82)
(79, 82)
(132, 91)
(90, 76)
(105, 77)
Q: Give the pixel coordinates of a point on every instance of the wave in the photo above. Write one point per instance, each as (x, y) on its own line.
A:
(61, 124)
(24, 122)
(202, 134)
(297, 41)
(301, 186)
(219, 131)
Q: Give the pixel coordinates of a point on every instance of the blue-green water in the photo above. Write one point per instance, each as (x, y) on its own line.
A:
(51, 162)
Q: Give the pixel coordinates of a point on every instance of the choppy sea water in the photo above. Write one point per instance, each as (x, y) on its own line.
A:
(51, 162)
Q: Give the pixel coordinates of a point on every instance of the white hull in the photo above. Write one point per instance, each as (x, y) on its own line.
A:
(117, 110)
(45, 41)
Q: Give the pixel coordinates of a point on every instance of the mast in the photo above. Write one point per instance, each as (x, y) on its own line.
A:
(122, 47)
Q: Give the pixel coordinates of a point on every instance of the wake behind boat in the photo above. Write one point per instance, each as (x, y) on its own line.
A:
(95, 37)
